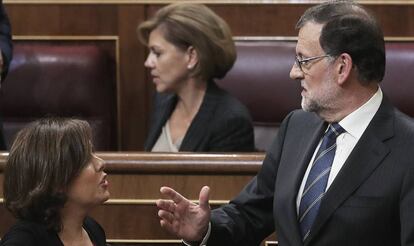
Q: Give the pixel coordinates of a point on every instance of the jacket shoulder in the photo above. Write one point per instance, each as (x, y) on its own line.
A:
(95, 231)
(24, 233)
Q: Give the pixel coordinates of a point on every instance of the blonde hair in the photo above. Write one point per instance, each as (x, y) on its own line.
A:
(185, 25)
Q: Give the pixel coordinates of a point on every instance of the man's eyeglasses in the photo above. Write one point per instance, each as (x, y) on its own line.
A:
(303, 63)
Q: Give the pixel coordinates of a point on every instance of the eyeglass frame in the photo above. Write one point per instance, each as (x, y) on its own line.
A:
(299, 63)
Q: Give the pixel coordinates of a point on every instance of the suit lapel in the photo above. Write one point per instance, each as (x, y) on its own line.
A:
(300, 153)
(198, 128)
(363, 160)
(163, 112)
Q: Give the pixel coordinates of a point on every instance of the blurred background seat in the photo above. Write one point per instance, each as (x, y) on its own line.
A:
(62, 79)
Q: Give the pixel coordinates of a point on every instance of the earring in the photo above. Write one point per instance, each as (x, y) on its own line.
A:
(190, 66)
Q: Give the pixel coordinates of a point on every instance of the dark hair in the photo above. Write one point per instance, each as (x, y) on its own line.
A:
(349, 28)
(187, 24)
(44, 158)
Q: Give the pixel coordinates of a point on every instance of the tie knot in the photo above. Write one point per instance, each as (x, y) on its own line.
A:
(334, 130)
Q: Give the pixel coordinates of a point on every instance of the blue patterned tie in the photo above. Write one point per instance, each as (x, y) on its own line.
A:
(317, 179)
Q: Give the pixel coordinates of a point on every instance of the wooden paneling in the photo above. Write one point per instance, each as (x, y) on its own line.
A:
(134, 91)
(120, 18)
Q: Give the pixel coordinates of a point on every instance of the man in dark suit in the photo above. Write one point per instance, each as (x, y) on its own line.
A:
(6, 49)
(341, 171)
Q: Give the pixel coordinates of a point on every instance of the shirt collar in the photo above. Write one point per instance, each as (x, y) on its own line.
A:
(356, 122)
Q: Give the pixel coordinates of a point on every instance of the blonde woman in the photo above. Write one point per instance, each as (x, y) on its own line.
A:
(190, 46)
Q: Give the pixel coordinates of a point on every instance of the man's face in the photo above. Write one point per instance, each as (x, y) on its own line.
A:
(317, 77)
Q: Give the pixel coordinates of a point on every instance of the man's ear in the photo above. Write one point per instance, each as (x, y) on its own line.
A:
(344, 67)
(192, 57)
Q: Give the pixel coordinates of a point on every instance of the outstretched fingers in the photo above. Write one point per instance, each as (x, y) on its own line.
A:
(204, 198)
(172, 194)
(171, 209)
(167, 220)
(167, 215)
(167, 205)
(182, 217)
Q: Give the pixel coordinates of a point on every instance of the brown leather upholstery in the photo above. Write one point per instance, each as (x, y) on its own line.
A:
(398, 83)
(64, 79)
(260, 79)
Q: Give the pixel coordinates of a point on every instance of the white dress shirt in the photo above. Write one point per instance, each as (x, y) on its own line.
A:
(354, 125)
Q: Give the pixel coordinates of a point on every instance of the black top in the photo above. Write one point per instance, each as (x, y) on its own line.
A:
(222, 123)
(6, 45)
(26, 233)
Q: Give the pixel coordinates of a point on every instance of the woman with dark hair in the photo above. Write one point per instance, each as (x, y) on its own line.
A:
(190, 46)
(52, 180)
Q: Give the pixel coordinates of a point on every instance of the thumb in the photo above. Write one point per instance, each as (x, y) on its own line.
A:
(204, 198)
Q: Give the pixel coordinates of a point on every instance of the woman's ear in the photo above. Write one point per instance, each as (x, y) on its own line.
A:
(192, 57)
(344, 67)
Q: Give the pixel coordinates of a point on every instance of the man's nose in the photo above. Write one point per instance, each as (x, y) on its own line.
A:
(295, 72)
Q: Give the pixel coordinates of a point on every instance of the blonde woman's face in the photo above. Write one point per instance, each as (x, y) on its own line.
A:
(169, 66)
(90, 188)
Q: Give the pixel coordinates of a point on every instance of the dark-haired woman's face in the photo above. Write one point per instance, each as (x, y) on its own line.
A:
(167, 63)
(90, 188)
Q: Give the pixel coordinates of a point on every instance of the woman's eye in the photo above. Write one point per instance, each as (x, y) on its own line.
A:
(155, 52)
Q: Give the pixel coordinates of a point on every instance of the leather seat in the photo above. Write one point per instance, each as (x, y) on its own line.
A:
(65, 79)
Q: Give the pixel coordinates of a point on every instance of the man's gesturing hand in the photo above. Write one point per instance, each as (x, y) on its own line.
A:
(183, 218)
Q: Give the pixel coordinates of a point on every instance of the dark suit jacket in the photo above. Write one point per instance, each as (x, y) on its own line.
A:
(370, 202)
(221, 124)
(5, 40)
(25, 233)
(6, 48)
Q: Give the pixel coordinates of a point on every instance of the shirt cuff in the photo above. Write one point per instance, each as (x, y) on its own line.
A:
(205, 239)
